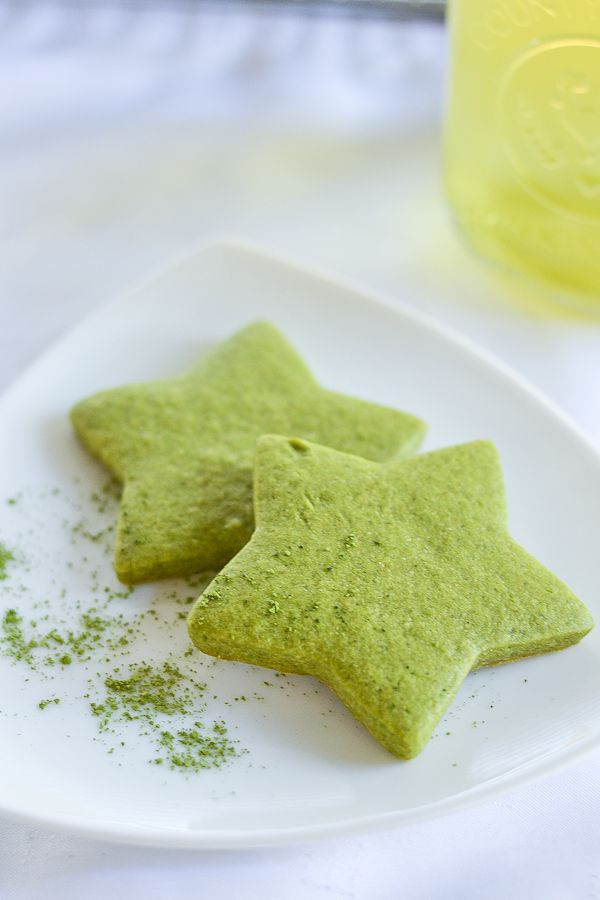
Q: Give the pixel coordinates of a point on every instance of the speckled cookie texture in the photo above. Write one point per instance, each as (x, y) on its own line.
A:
(183, 447)
(388, 582)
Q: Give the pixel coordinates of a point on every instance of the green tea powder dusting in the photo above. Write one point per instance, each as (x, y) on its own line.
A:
(152, 697)
(13, 640)
(119, 654)
(6, 556)
(50, 701)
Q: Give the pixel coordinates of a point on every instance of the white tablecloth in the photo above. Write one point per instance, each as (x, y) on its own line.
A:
(125, 135)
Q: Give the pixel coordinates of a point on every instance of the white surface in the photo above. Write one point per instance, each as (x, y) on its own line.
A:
(309, 770)
(123, 139)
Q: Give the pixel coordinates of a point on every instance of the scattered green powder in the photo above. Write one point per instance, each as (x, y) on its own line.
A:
(29, 642)
(79, 529)
(151, 696)
(51, 700)
(6, 556)
(164, 703)
(13, 641)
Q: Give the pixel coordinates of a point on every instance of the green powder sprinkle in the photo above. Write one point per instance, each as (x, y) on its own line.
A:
(51, 700)
(26, 641)
(151, 696)
(193, 749)
(98, 632)
(149, 690)
(13, 641)
(6, 556)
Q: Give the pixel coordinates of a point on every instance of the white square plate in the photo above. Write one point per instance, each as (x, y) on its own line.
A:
(310, 769)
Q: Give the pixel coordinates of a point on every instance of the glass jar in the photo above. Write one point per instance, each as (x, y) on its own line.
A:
(522, 141)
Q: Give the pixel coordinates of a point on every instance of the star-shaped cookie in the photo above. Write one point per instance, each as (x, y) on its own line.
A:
(183, 448)
(388, 582)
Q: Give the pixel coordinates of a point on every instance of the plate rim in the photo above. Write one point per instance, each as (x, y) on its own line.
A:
(211, 839)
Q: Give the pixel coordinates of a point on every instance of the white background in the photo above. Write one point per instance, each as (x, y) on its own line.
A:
(125, 135)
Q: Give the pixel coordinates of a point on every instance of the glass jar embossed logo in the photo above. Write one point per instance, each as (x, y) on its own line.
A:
(549, 119)
(522, 141)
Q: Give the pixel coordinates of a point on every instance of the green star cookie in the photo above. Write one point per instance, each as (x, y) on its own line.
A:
(387, 582)
(184, 448)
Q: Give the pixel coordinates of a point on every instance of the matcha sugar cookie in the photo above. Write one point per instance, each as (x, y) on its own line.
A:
(388, 582)
(183, 447)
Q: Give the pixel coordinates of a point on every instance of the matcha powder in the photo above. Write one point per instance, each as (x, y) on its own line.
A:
(121, 654)
(152, 697)
(6, 557)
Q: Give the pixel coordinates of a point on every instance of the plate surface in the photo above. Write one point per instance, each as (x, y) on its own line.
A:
(308, 769)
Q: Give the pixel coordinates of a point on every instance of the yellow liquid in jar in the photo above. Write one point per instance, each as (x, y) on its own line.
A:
(522, 142)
